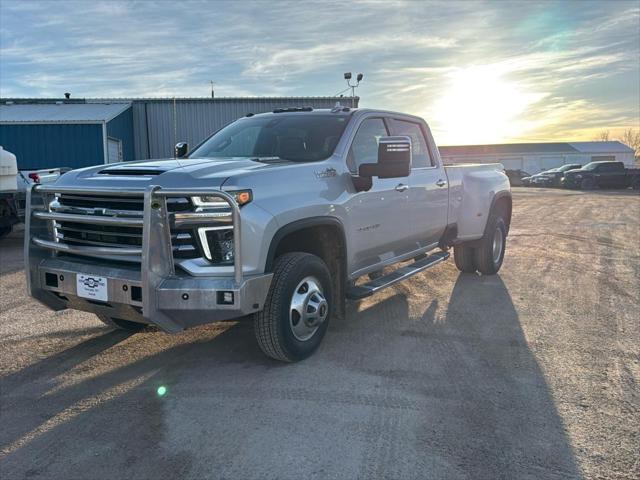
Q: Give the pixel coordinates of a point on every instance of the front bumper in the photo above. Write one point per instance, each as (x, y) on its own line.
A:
(181, 302)
(150, 292)
(569, 182)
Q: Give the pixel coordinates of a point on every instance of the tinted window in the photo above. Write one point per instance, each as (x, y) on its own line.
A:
(364, 148)
(298, 137)
(419, 150)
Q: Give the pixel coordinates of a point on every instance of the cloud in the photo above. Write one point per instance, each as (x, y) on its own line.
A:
(566, 66)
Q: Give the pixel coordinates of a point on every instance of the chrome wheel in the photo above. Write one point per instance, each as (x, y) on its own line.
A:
(308, 309)
(498, 243)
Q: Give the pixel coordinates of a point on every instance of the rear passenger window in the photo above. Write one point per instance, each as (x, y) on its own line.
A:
(419, 150)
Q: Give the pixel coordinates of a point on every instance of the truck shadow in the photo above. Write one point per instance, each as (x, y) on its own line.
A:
(501, 412)
(11, 248)
(452, 393)
(475, 400)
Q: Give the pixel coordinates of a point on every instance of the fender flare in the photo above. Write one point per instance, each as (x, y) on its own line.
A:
(301, 224)
(498, 196)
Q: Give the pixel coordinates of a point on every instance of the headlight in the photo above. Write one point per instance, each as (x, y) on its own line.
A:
(217, 244)
(211, 201)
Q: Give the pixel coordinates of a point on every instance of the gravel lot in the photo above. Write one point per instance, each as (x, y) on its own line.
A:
(529, 374)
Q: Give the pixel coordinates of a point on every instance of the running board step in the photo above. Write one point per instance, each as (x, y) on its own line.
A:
(369, 288)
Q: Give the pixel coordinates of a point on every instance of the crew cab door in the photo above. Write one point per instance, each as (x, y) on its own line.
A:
(428, 186)
(379, 219)
(610, 175)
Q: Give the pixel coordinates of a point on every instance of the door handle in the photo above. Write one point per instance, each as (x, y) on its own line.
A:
(441, 183)
(401, 187)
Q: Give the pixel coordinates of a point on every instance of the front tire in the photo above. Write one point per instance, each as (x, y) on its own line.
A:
(587, 184)
(490, 254)
(297, 310)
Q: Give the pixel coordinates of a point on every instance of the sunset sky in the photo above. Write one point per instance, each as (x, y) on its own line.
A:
(479, 72)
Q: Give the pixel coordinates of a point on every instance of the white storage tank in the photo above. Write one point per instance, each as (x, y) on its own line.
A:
(8, 171)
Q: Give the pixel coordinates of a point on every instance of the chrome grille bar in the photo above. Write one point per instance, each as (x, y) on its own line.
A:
(93, 219)
(85, 250)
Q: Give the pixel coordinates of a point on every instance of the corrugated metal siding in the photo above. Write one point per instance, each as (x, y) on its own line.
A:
(121, 127)
(156, 132)
(50, 146)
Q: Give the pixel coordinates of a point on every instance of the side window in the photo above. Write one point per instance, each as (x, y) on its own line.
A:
(421, 157)
(364, 147)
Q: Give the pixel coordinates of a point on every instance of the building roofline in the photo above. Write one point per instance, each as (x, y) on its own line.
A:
(77, 121)
(4, 100)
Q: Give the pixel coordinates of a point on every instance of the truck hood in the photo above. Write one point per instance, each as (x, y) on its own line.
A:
(170, 173)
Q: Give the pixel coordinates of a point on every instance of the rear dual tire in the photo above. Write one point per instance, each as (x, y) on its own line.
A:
(488, 255)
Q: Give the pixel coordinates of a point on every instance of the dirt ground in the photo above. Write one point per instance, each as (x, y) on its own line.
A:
(532, 373)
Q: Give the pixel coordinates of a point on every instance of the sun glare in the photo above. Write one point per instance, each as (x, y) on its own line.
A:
(480, 105)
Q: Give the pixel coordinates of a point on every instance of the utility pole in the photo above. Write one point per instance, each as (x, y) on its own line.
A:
(211, 88)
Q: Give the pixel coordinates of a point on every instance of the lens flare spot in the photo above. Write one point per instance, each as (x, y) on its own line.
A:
(162, 390)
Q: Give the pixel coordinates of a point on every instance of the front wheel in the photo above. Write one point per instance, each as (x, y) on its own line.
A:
(490, 254)
(588, 184)
(297, 310)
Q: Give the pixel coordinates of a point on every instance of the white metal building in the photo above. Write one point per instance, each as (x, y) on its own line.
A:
(537, 157)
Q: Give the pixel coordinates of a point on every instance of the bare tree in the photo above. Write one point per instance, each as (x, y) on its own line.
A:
(603, 136)
(631, 138)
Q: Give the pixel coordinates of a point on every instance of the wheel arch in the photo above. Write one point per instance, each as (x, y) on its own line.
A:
(502, 203)
(321, 236)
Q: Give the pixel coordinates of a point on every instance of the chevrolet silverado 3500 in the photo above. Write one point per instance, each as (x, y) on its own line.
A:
(281, 216)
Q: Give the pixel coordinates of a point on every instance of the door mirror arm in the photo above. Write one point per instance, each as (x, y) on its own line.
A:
(362, 184)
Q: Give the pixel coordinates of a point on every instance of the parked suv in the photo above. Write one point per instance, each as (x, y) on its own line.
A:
(276, 216)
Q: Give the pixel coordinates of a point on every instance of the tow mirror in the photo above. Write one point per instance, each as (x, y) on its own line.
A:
(182, 148)
(394, 159)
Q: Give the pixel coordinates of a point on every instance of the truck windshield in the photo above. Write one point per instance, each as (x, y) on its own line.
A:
(296, 137)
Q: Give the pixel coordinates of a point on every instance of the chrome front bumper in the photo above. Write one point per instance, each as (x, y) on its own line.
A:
(151, 292)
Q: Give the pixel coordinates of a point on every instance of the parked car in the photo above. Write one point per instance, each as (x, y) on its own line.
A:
(553, 178)
(533, 180)
(606, 174)
(516, 177)
(27, 178)
(276, 215)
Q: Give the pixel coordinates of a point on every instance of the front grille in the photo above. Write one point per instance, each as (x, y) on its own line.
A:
(183, 241)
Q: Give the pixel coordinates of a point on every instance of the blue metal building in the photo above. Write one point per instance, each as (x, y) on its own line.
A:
(74, 135)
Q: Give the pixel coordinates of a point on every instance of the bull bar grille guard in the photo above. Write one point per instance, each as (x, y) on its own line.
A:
(156, 256)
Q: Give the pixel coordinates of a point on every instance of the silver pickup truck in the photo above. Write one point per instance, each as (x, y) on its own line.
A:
(281, 216)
